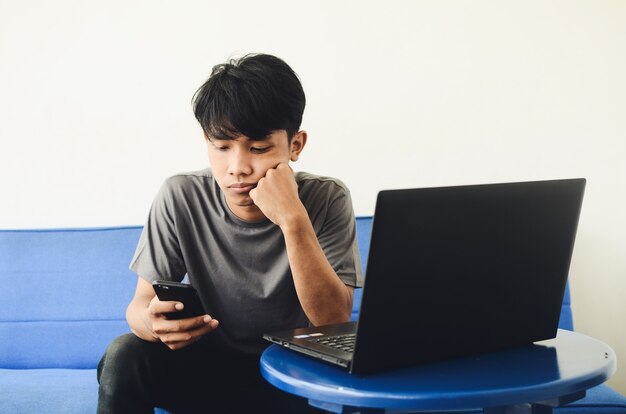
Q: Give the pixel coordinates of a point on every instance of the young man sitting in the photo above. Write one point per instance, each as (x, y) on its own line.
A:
(265, 247)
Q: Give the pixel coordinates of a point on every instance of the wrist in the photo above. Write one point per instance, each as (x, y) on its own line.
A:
(296, 223)
(149, 331)
(139, 321)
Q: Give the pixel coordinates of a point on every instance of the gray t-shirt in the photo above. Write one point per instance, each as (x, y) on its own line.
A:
(240, 268)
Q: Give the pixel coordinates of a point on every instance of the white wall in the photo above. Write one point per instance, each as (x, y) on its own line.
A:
(95, 107)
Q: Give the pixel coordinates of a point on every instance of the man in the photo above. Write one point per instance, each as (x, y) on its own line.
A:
(265, 247)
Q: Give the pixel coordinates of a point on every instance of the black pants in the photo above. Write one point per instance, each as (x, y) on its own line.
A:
(135, 376)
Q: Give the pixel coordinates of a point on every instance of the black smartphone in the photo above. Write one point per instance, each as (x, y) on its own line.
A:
(179, 292)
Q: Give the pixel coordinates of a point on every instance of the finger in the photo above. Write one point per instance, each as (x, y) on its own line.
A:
(198, 322)
(181, 325)
(284, 164)
(160, 307)
(178, 340)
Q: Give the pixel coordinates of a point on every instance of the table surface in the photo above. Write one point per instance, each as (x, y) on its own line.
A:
(566, 365)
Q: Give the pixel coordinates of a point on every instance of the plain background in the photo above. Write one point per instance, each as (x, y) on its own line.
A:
(95, 107)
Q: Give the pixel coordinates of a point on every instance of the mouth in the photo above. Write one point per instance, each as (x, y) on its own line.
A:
(241, 188)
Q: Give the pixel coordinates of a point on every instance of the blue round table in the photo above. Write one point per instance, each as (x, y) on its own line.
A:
(530, 379)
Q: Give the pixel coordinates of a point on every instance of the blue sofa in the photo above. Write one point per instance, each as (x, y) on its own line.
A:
(64, 293)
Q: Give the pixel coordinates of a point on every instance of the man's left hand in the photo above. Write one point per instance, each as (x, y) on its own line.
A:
(276, 195)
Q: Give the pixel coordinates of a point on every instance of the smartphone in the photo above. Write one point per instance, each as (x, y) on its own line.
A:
(179, 292)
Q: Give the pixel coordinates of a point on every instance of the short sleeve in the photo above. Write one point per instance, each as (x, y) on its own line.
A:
(158, 255)
(338, 239)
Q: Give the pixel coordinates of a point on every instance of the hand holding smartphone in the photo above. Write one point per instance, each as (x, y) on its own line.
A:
(179, 292)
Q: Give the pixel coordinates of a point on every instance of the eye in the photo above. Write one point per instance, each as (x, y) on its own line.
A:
(219, 146)
(259, 150)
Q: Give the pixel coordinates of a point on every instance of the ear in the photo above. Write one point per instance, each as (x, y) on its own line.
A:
(297, 145)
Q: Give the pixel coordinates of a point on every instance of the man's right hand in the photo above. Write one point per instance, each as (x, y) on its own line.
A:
(177, 333)
(146, 316)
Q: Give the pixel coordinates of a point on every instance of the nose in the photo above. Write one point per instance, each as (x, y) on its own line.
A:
(239, 164)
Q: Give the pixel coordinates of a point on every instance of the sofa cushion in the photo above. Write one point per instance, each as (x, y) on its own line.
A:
(599, 400)
(65, 391)
(67, 292)
(56, 344)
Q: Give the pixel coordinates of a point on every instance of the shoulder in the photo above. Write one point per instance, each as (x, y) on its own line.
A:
(189, 179)
(193, 181)
(183, 187)
(323, 197)
(328, 203)
(308, 182)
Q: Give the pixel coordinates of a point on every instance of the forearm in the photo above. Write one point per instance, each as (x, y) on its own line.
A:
(324, 297)
(139, 320)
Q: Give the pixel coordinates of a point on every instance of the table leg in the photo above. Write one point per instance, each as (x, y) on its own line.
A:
(563, 399)
(539, 407)
(519, 409)
(542, 407)
(344, 409)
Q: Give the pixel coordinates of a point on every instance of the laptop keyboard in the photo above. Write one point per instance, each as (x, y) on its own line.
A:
(343, 342)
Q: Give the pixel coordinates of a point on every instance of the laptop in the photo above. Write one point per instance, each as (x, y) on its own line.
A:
(454, 272)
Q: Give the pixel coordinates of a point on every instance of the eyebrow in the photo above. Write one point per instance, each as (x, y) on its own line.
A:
(265, 139)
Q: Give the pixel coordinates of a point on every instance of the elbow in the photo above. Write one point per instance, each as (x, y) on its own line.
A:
(340, 316)
(329, 321)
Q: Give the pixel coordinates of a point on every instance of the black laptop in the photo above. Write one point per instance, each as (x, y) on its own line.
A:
(455, 271)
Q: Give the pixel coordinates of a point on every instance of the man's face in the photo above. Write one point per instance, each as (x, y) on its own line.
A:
(240, 163)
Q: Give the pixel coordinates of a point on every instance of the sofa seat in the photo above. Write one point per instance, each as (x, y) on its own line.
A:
(599, 400)
(51, 390)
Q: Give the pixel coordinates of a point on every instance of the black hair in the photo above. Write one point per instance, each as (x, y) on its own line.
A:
(251, 96)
